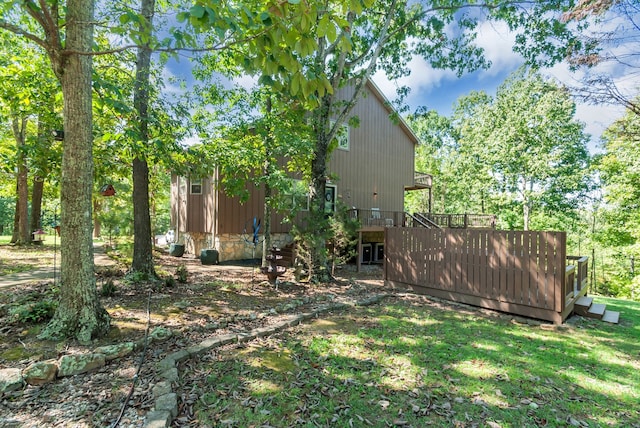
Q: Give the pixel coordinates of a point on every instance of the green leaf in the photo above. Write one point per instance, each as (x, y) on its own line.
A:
(197, 11)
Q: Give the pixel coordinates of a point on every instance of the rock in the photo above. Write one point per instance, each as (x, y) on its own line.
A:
(111, 352)
(70, 365)
(170, 375)
(158, 419)
(168, 403)
(10, 380)
(159, 334)
(40, 373)
(161, 388)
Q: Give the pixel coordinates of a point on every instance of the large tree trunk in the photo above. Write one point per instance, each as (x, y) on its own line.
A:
(36, 203)
(142, 242)
(19, 126)
(319, 270)
(16, 219)
(79, 313)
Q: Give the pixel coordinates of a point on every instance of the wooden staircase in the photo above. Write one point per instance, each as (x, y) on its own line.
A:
(585, 307)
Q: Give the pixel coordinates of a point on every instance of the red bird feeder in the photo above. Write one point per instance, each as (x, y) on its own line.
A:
(107, 190)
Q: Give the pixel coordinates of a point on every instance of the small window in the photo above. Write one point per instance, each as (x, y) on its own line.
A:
(342, 136)
(196, 187)
(330, 193)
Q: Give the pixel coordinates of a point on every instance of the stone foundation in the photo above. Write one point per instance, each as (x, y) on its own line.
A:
(230, 246)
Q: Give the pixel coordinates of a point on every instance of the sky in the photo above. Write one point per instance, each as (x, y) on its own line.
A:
(439, 89)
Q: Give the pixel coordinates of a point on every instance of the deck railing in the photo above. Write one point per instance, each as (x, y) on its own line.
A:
(518, 272)
(423, 179)
(378, 218)
(463, 221)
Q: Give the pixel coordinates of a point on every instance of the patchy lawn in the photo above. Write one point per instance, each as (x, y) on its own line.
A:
(415, 362)
(407, 361)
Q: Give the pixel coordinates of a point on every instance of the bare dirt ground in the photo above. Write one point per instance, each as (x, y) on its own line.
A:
(214, 300)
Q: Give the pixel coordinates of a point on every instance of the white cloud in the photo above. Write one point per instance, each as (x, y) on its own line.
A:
(497, 42)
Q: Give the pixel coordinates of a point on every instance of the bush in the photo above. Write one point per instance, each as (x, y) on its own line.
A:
(181, 273)
(34, 312)
(108, 288)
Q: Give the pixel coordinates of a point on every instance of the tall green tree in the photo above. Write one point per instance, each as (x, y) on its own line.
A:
(311, 49)
(533, 148)
(142, 243)
(619, 168)
(66, 34)
(25, 90)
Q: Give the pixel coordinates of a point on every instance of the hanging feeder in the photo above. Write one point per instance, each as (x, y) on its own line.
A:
(107, 190)
(38, 235)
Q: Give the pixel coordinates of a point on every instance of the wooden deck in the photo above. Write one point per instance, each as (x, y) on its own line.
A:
(524, 273)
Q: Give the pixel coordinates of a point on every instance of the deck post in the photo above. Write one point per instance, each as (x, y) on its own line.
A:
(359, 259)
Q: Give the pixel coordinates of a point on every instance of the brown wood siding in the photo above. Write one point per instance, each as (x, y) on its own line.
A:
(380, 161)
(514, 271)
(200, 208)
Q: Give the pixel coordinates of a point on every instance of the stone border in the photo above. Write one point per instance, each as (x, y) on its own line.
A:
(166, 401)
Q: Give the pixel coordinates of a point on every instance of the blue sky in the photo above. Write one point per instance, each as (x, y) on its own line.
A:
(439, 89)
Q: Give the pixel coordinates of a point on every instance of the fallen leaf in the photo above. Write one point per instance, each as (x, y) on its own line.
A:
(384, 404)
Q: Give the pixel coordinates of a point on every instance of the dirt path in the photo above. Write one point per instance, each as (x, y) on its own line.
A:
(50, 272)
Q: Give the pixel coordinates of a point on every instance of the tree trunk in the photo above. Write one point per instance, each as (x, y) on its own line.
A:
(38, 184)
(79, 313)
(142, 242)
(319, 270)
(19, 126)
(15, 236)
(36, 203)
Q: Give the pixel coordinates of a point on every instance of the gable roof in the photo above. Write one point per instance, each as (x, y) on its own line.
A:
(377, 92)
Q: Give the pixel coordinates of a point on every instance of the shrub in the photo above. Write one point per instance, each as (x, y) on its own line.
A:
(181, 273)
(34, 312)
(108, 288)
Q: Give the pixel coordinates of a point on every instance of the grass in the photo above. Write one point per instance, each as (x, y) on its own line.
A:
(25, 258)
(408, 363)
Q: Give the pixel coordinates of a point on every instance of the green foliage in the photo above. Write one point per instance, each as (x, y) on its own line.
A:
(137, 277)
(33, 312)
(182, 273)
(108, 288)
(344, 235)
(169, 281)
(521, 155)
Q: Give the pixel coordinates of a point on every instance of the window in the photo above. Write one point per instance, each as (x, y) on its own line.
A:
(342, 136)
(330, 192)
(196, 187)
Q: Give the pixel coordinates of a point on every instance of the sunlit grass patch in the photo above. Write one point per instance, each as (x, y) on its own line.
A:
(401, 365)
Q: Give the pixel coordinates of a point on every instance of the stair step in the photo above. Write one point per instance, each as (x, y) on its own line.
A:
(596, 310)
(584, 301)
(611, 316)
(582, 305)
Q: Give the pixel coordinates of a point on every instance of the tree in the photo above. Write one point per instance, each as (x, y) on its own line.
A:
(534, 150)
(66, 34)
(311, 49)
(615, 43)
(619, 168)
(142, 244)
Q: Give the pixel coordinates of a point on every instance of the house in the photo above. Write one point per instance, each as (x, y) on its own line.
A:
(374, 164)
